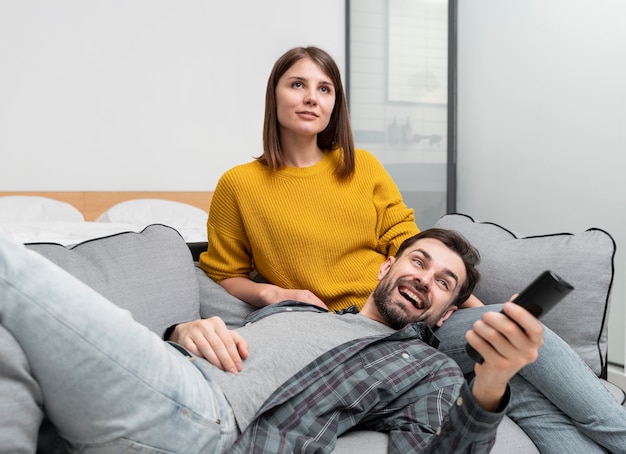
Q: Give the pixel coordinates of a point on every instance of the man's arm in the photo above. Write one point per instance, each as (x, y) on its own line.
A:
(466, 428)
(212, 340)
(507, 344)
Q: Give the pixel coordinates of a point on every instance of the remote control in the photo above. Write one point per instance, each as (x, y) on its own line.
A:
(538, 298)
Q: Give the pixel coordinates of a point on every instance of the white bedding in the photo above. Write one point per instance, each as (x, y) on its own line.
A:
(70, 233)
(34, 219)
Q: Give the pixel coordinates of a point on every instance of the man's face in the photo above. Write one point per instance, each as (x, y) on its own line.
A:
(420, 285)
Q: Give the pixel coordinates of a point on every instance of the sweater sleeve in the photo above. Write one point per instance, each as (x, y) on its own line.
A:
(229, 253)
(396, 222)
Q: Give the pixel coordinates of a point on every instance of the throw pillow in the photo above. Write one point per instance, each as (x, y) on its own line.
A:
(509, 262)
(149, 273)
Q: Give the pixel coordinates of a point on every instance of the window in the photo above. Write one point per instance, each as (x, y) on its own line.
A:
(400, 61)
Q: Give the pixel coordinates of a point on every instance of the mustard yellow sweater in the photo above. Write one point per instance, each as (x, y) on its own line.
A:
(301, 228)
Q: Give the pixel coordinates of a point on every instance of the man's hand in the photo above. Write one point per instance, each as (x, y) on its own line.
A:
(507, 345)
(211, 339)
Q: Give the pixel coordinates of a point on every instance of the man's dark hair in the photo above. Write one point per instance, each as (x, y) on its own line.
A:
(457, 243)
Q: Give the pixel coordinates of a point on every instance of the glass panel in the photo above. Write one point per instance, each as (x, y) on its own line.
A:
(398, 93)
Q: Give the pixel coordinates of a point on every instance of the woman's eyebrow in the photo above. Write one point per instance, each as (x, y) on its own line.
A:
(305, 79)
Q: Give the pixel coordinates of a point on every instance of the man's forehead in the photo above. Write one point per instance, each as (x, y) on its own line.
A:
(440, 255)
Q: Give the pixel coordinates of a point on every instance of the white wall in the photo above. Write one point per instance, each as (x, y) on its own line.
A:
(143, 94)
(542, 116)
(166, 95)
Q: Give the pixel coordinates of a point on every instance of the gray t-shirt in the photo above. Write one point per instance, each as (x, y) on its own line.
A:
(279, 346)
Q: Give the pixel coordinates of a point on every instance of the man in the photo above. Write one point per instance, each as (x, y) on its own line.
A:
(294, 378)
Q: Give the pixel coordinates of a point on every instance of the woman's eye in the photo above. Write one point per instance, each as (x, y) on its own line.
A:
(297, 84)
(324, 89)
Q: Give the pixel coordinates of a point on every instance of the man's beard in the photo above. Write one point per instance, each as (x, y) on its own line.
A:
(392, 313)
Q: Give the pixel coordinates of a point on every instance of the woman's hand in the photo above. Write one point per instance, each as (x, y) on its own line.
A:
(472, 301)
(263, 294)
(282, 294)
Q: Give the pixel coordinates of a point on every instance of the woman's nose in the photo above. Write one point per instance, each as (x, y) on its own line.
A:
(310, 98)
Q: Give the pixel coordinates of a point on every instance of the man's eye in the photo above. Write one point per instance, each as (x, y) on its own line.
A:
(418, 262)
(444, 284)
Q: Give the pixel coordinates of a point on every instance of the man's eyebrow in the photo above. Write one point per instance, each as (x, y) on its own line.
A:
(447, 271)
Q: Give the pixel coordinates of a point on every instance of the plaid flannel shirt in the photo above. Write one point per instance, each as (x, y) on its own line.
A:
(398, 384)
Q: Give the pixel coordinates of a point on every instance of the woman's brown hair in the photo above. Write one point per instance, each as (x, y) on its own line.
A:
(338, 133)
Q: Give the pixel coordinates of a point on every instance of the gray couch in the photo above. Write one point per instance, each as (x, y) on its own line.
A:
(154, 276)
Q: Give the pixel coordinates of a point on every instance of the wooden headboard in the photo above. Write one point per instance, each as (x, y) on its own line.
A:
(93, 203)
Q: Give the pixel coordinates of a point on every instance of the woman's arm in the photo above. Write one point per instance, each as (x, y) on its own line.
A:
(472, 301)
(263, 294)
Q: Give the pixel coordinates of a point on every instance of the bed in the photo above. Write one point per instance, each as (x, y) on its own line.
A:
(71, 217)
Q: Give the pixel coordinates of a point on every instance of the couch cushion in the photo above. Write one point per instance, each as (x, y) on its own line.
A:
(509, 262)
(150, 273)
(509, 439)
(215, 300)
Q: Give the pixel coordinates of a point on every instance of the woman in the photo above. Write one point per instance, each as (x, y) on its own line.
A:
(312, 215)
(317, 217)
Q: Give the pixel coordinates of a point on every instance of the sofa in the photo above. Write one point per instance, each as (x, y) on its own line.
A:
(154, 274)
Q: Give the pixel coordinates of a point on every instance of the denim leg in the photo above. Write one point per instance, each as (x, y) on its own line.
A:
(559, 373)
(549, 429)
(105, 378)
(21, 400)
(566, 380)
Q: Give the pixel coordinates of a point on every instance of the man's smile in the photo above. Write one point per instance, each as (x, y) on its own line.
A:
(413, 296)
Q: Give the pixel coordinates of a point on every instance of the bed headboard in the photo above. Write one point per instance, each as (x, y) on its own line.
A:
(93, 203)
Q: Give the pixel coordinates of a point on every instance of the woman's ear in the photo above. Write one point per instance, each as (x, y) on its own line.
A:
(446, 315)
(384, 268)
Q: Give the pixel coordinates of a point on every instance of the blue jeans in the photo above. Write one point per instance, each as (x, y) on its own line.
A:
(557, 400)
(109, 384)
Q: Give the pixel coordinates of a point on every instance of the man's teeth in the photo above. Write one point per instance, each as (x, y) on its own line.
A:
(415, 299)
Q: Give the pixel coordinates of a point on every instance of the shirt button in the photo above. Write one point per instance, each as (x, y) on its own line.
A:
(459, 401)
(405, 355)
(289, 309)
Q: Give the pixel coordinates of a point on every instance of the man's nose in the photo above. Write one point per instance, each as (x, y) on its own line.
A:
(424, 278)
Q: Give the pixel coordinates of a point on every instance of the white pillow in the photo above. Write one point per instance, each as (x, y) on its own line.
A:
(155, 211)
(30, 208)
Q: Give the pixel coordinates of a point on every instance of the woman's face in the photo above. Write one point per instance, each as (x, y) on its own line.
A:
(305, 97)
